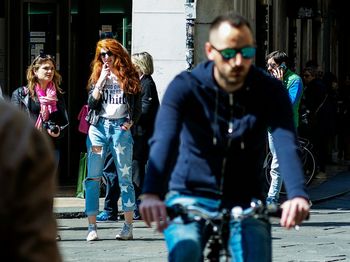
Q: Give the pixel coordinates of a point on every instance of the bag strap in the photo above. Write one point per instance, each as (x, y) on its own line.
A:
(319, 107)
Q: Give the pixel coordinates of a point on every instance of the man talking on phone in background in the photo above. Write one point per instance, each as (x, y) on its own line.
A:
(277, 66)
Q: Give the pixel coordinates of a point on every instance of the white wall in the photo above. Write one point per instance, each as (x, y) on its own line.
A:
(159, 27)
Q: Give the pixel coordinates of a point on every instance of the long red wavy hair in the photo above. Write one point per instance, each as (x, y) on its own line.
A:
(127, 75)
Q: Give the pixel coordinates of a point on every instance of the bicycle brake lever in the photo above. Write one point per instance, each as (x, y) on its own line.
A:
(274, 210)
(175, 211)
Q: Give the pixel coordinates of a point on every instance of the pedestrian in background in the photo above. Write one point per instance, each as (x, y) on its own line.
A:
(42, 99)
(210, 140)
(114, 101)
(143, 129)
(277, 66)
(27, 187)
(344, 121)
(331, 113)
(316, 101)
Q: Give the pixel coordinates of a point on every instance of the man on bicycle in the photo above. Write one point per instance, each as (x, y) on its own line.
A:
(209, 143)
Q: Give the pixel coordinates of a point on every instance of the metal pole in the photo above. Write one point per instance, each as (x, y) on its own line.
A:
(190, 12)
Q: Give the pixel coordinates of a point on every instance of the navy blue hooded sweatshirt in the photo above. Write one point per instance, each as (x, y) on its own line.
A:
(210, 143)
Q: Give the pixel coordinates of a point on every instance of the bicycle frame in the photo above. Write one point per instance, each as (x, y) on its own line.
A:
(218, 223)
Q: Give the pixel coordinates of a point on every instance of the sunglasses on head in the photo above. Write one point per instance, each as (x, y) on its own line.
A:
(103, 54)
(42, 56)
(247, 52)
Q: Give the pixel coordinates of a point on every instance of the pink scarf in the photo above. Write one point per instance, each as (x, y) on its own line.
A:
(47, 99)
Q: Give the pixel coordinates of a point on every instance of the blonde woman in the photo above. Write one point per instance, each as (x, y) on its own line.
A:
(143, 130)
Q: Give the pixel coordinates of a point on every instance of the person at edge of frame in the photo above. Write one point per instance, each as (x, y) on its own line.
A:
(27, 188)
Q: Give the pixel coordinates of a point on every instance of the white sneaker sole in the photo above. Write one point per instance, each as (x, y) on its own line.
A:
(118, 237)
(92, 236)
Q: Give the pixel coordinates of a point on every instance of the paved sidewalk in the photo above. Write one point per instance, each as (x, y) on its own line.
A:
(71, 207)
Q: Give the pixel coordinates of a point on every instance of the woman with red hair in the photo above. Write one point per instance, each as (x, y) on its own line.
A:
(115, 105)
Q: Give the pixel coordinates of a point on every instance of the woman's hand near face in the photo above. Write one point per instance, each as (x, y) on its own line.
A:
(105, 72)
(99, 87)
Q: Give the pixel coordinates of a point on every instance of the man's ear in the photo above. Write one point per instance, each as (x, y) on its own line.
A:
(209, 51)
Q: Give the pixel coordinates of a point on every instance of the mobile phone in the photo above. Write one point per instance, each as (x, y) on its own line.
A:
(283, 66)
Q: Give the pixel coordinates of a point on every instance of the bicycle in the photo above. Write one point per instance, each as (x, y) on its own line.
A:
(218, 223)
(307, 159)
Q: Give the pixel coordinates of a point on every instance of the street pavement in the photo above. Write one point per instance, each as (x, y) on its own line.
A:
(146, 246)
(325, 237)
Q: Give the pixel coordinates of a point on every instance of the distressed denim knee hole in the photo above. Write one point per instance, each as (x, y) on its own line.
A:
(96, 149)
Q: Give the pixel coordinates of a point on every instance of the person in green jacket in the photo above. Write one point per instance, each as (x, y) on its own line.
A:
(277, 66)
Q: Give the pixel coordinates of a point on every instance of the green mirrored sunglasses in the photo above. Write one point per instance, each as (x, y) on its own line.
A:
(247, 52)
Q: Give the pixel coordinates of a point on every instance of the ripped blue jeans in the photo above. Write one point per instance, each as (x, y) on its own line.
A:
(108, 135)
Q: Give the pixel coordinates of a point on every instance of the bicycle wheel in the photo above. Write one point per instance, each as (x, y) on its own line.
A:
(307, 160)
(309, 164)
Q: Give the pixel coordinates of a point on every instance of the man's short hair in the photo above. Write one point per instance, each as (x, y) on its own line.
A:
(278, 56)
(233, 18)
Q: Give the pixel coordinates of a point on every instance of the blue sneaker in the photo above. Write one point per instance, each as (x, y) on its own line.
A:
(105, 217)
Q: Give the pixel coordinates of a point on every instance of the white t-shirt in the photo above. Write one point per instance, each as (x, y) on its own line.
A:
(114, 103)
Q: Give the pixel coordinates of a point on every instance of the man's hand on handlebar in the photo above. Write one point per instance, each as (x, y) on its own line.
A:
(294, 212)
(153, 209)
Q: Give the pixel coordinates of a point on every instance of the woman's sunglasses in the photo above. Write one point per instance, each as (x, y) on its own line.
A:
(103, 54)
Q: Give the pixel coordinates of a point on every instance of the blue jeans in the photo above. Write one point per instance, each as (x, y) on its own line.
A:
(112, 187)
(250, 240)
(276, 179)
(108, 135)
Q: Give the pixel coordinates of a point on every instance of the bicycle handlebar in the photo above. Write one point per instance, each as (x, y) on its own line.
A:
(256, 209)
